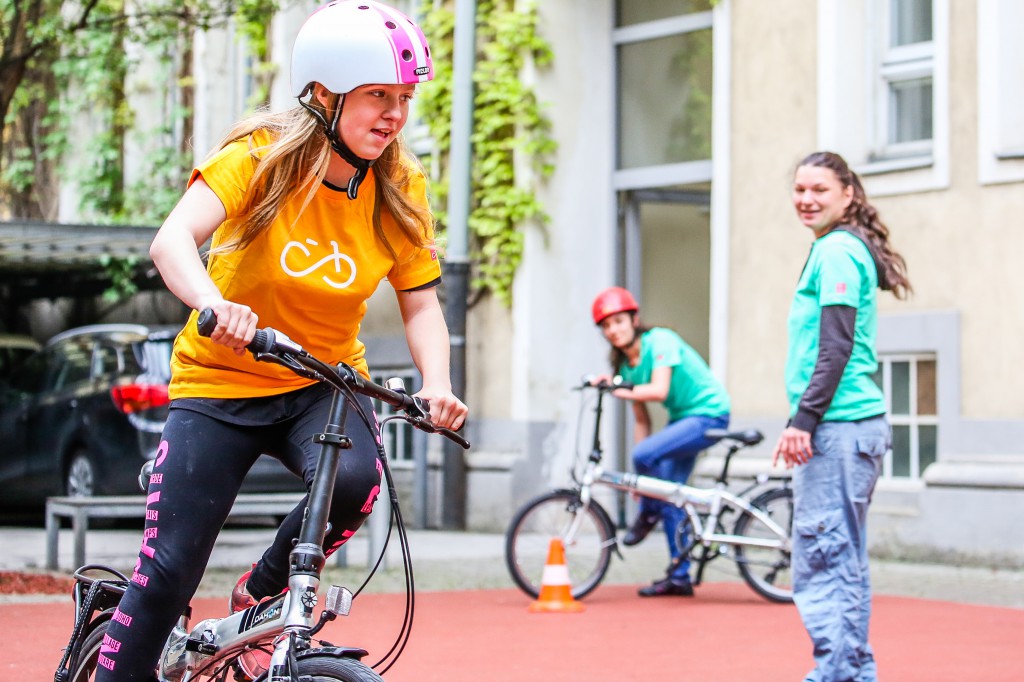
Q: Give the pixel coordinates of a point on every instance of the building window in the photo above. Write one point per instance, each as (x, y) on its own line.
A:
(664, 79)
(397, 435)
(883, 84)
(905, 75)
(1000, 96)
(909, 384)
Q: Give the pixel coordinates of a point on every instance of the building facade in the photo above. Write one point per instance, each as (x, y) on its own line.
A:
(679, 124)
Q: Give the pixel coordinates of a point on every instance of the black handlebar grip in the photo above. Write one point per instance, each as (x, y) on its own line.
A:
(206, 322)
(262, 341)
(457, 439)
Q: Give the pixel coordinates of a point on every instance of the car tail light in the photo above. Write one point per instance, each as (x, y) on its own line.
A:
(137, 397)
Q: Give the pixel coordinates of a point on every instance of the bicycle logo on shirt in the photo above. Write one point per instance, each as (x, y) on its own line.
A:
(336, 257)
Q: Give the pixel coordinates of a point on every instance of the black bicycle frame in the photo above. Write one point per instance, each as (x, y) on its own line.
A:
(308, 557)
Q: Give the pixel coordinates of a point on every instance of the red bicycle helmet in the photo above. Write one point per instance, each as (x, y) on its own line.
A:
(613, 300)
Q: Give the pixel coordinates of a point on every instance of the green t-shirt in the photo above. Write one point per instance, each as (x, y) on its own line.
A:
(693, 390)
(839, 271)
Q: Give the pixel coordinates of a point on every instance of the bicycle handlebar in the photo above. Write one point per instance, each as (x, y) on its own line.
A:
(270, 342)
(617, 382)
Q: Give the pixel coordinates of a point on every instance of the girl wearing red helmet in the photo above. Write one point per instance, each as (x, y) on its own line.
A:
(307, 211)
(662, 368)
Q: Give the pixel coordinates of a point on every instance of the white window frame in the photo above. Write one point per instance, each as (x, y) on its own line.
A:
(913, 419)
(895, 65)
(716, 170)
(683, 172)
(1000, 25)
(853, 95)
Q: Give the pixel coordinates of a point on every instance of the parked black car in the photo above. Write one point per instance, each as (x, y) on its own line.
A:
(82, 415)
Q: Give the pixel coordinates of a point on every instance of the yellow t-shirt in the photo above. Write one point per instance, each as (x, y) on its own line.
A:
(309, 279)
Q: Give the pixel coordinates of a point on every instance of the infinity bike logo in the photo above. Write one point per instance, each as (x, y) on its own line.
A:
(336, 257)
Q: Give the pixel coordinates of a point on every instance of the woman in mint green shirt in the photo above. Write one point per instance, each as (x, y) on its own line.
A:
(838, 431)
(662, 368)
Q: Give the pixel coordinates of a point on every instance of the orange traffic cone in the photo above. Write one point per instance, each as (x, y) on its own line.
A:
(555, 589)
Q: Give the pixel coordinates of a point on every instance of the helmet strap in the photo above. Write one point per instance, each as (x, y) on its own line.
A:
(361, 165)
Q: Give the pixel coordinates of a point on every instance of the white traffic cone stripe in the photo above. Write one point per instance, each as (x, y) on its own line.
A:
(555, 574)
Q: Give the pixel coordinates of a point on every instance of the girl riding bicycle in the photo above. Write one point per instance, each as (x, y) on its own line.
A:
(308, 210)
(665, 369)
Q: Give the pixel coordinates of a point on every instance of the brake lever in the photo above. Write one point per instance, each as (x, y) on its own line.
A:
(286, 360)
(424, 424)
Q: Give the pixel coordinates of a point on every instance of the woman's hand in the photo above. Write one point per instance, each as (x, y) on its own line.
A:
(236, 324)
(794, 447)
(446, 411)
(600, 379)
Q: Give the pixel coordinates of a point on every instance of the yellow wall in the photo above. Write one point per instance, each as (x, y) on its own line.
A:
(962, 244)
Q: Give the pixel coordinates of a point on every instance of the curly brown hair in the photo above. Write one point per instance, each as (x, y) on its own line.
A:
(862, 219)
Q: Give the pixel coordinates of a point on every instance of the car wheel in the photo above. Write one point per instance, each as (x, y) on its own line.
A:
(81, 476)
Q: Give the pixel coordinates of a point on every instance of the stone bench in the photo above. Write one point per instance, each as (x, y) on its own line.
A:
(81, 509)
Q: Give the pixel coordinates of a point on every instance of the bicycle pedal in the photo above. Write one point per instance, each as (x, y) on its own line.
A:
(338, 601)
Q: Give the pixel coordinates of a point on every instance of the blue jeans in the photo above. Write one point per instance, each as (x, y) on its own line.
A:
(670, 455)
(831, 584)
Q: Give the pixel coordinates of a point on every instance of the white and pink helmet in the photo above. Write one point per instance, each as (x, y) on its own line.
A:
(348, 43)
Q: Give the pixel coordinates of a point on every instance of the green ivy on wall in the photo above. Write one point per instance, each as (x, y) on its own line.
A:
(508, 120)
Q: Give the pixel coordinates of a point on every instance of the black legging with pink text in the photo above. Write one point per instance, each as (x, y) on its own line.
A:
(199, 470)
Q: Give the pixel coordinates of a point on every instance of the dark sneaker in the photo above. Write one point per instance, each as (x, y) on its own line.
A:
(667, 588)
(639, 530)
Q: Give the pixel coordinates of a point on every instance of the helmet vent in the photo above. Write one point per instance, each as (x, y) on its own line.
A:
(390, 24)
(364, 7)
(406, 55)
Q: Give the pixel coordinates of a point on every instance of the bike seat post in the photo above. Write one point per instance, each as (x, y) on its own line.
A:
(723, 478)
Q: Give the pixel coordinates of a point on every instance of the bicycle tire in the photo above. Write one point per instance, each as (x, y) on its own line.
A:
(324, 668)
(83, 668)
(767, 571)
(549, 516)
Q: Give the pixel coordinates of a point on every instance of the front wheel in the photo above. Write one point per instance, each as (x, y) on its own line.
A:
(324, 668)
(768, 571)
(586, 533)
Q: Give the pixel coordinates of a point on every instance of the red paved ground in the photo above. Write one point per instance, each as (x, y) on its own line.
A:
(725, 633)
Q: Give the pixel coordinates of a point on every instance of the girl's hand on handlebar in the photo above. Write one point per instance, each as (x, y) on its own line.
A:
(600, 380)
(446, 411)
(793, 448)
(236, 325)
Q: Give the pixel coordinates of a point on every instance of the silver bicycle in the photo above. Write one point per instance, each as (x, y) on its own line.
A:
(759, 542)
(285, 625)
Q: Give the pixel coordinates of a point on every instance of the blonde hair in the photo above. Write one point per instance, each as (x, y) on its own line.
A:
(296, 160)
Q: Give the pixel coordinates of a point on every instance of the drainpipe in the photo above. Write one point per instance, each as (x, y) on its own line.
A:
(456, 263)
